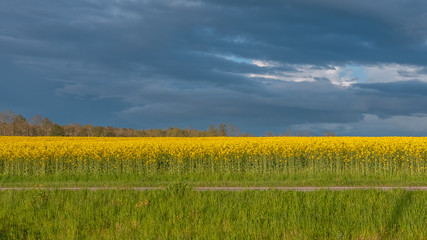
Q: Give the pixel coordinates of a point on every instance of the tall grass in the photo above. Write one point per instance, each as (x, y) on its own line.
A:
(180, 213)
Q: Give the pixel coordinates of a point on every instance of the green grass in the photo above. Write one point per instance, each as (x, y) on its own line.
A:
(180, 213)
(273, 178)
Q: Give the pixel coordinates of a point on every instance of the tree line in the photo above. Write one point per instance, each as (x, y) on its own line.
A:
(12, 124)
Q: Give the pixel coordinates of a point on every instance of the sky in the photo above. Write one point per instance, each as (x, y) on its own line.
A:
(356, 68)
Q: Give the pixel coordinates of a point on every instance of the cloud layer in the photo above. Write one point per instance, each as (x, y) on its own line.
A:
(270, 65)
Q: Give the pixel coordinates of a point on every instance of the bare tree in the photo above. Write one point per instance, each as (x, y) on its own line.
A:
(269, 134)
(12, 124)
(6, 119)
(327, 133)
(36, 120)
(72, 129)
(20, 126)
(222, 130)
(287, 133)
(212, 131)
(233, 130)
(47, 126)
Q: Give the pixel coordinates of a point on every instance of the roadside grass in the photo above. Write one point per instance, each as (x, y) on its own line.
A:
(178, 212)
(272, 178)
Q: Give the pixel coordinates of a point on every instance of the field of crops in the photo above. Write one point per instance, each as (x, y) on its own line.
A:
(394, 158)
(51, 155)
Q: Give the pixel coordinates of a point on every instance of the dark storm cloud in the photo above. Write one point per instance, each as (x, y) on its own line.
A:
(398, 89)
(161, 63)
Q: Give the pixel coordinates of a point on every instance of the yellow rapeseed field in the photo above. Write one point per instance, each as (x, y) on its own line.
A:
(52, 155)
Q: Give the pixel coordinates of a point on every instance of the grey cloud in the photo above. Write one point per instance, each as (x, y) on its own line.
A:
(397, 89)
(150, 64)
(371, 125)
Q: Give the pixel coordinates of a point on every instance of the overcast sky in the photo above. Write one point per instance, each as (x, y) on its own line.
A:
(349, 66)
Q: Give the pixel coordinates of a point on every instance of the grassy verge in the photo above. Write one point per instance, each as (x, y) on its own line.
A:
(216, 179)
(180, 213)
